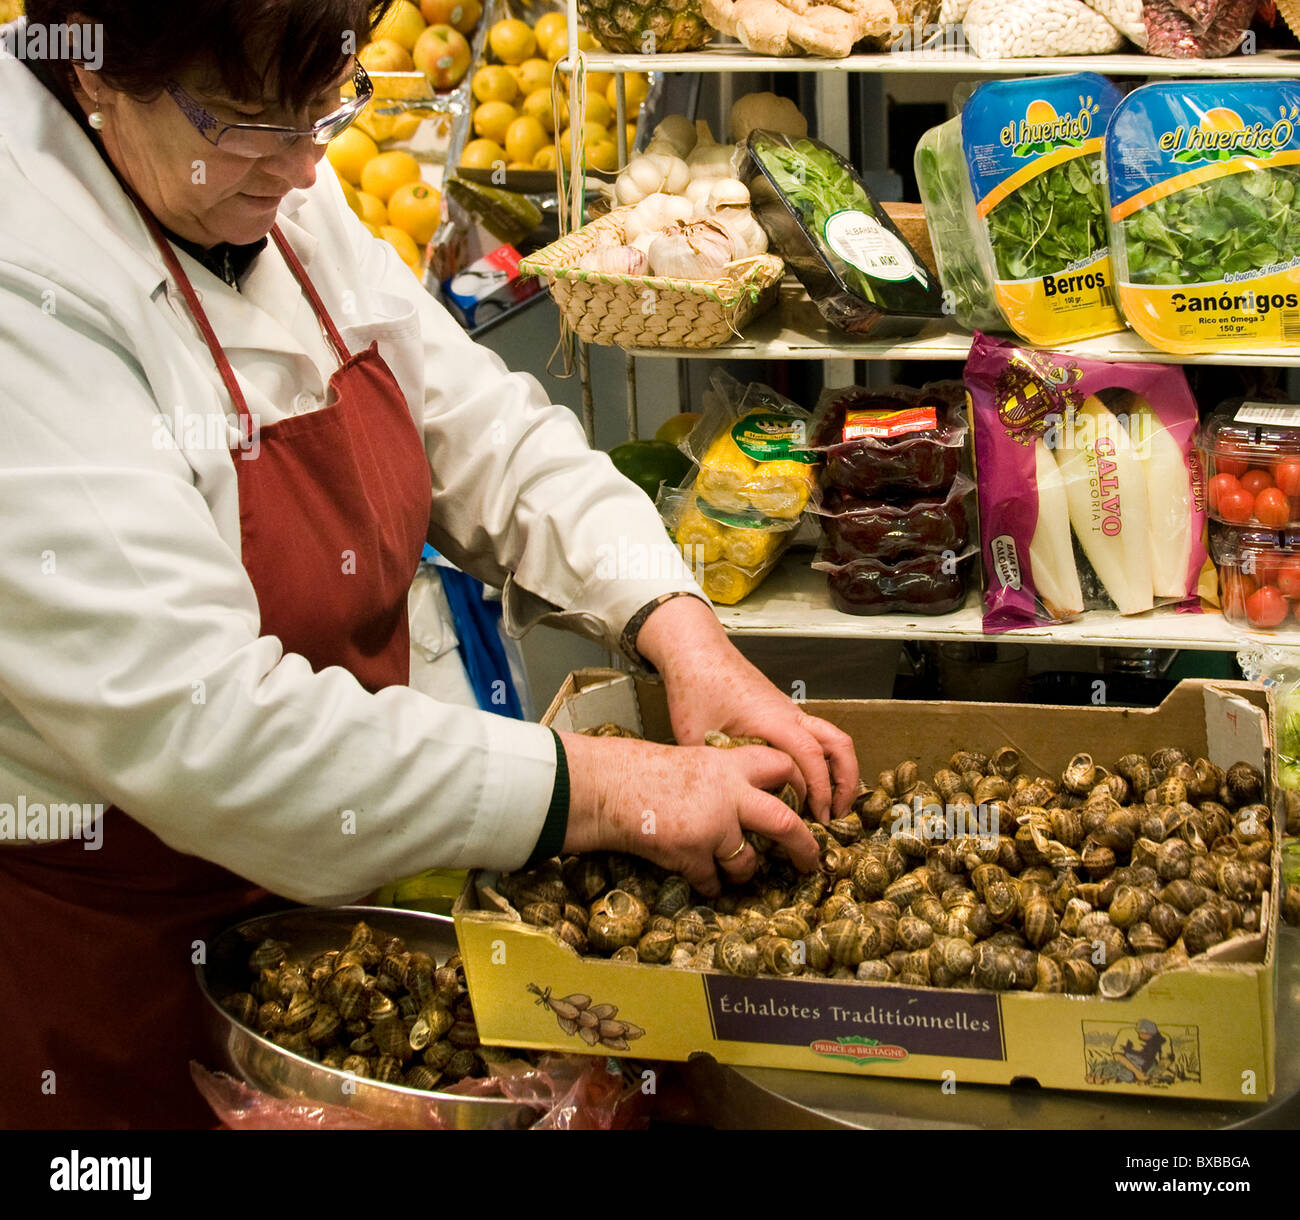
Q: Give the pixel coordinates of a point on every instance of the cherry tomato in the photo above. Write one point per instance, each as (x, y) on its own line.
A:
(1272, 507)
(1219, 484)
(1266, 607)
(1286, 474)
(1236, 589)
(1254, 481)
(1236, 505)
(1262, 565)
(1288, 578)
(1226, 462)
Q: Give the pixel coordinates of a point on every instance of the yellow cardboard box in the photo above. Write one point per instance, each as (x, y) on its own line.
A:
(1203, 1032)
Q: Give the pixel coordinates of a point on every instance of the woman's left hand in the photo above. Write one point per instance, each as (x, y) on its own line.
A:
(710, 686)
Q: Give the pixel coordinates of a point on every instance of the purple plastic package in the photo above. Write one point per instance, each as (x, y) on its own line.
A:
(1091, 494)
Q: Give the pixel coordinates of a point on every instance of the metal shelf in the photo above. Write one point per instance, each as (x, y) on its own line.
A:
(793, 330)
(731, 57)
(793, 602)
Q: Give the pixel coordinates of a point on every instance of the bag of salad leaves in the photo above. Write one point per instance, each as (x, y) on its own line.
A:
(858, 268)
(1033, 152)
(1204, 185)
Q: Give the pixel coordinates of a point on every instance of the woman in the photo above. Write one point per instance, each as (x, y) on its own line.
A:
(229, 421)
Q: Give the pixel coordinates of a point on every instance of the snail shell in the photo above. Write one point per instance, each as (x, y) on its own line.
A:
(681, 956)
(902, 891)
(1080, 775)
(1202, 929)
(1040, 920)
(913, 933)
(573, 936)
(954, 955)
(994, 968)
(421, 1077)
(392, 1039)
(1244, 785)
(874, 972)
(299, 1014)
(1129, 905)
(541, 914)
(810, 888)
(817, 952)
(438, 1055)
(586, 877)
(788, 924)
(609, 932)
(242, 1006)
(844, 941)
(1080, 977)
(1049, 975)
(1143, 938)
(734, 954)
(847, 829)
(1006, 762)
(625, 953)
(781, 957)
(267, 956)
(380, 1007)
(871, 877)
(906, 776)
(1183, 895)
(356, 1065)
(1002, 898)
(674, 896)
(656, 947)
(269, 1015)
(1108, 946)
(1122, 978)
(466, 1063)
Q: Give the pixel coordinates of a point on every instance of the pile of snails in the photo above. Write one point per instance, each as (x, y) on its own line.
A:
(1090, 883)
(373, 1008)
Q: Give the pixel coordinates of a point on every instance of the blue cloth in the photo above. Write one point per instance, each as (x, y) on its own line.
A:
(478, 622)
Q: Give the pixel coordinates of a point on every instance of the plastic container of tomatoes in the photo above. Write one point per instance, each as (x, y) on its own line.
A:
(1251, 453)
(1259, 576)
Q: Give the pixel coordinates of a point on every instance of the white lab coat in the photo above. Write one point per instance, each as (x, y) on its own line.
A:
(132, 671)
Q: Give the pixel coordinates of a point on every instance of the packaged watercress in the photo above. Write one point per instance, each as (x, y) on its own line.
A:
(846, 251)
(1204, 186)
(1033, 151)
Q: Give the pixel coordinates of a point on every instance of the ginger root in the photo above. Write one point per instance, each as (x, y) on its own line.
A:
(789, 27)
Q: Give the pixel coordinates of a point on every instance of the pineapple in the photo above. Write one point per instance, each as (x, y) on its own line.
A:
(645, 27)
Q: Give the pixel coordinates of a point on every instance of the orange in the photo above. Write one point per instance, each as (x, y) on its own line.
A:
(524, 137)
(482, 154)
(538, 105)
(383, 175)
(598, 110)
(548, 25)
(545, 158)
(492, 119)
(416, 208)
(532, 74)
(495, 83)
(350, 152)
(635, 88)
(603, 155)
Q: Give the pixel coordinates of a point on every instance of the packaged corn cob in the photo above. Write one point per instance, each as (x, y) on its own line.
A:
(751, 447)
(731, 553)
(1091, 490)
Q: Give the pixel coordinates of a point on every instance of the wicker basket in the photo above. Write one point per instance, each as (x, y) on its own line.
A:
(650, 310)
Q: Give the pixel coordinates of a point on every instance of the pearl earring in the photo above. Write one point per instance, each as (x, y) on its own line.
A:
(97, 120)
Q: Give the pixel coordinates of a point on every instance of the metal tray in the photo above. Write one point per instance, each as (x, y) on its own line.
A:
(270, 1068)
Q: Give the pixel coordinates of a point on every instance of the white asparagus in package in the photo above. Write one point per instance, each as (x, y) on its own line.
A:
(1090, 486)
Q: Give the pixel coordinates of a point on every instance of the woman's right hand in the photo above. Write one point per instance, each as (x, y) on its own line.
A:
(683, 807)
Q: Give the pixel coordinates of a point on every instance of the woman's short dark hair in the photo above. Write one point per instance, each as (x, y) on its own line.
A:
(290, 51)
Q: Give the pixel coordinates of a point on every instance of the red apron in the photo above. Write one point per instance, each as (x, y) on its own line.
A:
(98, 1005)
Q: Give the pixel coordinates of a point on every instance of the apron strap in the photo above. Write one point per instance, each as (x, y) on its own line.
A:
(322, 314)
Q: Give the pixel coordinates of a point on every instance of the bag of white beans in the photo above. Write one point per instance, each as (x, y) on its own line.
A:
(1003, 29)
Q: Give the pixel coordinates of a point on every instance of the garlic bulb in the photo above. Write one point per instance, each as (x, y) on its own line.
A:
(648, 174)
(655, 211)
(709, 159)
(678, 131)
(615, 260)
(765, 112)
(691, 250)
(697, 191)
(748, 237)
(726, 193)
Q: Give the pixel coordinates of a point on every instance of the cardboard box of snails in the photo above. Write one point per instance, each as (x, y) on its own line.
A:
(1078, 896)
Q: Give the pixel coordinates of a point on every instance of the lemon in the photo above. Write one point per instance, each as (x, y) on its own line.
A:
(374, 229)
(587, 41)
(512, 41)
(598, 82)
(371, 209)
(532, 74)
(494, 83)
(538, 105)
(386, 172)
(548, 25)
(631, 137)
(545, 158)
(594, 133)
(482, 154)
(598, 110)
(416, 208)
(349, 152)
(603, 154)
(635, 88)
(350, 194)
(492, 119)
(524, 137)
(403, 23)
(403, 243)
(558, 47)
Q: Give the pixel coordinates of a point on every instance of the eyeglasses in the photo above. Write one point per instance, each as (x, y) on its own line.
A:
(266, 140)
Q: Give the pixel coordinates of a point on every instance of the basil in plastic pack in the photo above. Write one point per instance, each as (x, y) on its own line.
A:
(858, 269)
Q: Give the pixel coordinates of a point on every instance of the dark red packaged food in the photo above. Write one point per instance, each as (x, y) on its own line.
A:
(925, 584)
(893, 445)
(874, 529)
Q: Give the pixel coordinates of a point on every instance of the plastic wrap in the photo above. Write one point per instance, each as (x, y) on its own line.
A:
(923, 584)
(857, 528)
(1006, 29)
(1035, 206)
(1204, 192)
(965, 270)
(901, 444)
(1259, 577)
(1090, 489)
(1196, 29)
(846, 251)
(751, 448)
(568, 1092)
